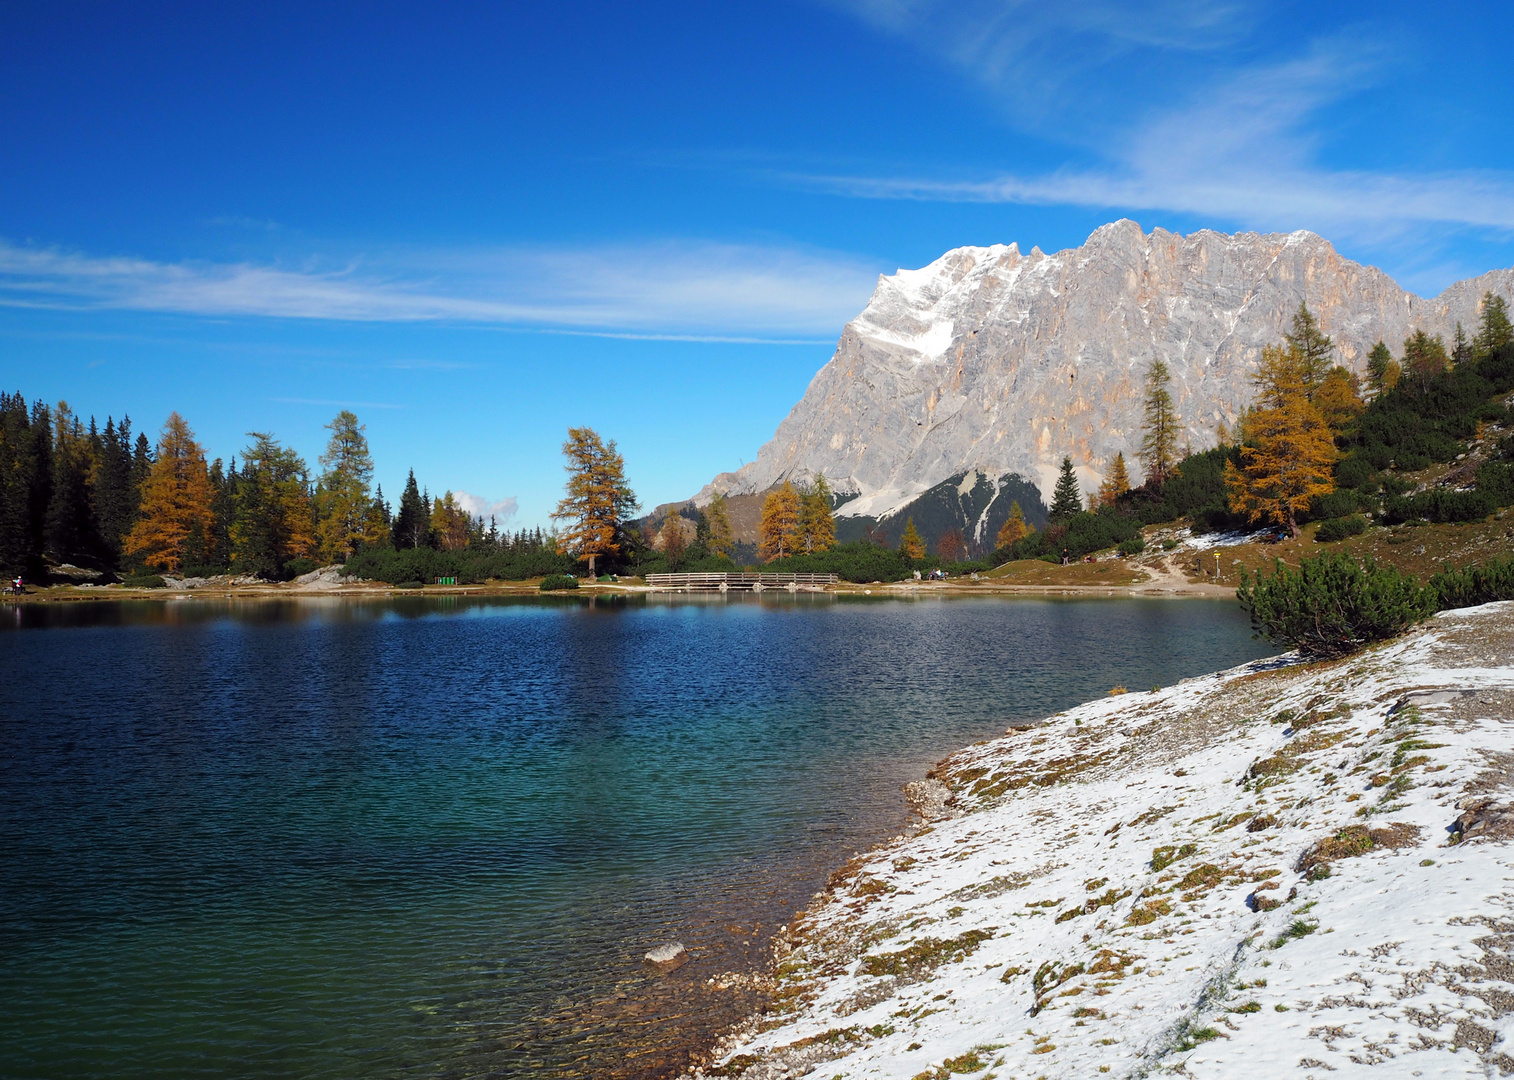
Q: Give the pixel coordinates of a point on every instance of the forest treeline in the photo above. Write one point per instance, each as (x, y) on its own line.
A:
(108, 500)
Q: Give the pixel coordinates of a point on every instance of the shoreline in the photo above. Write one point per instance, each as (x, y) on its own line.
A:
(857, 978)
(56, 594)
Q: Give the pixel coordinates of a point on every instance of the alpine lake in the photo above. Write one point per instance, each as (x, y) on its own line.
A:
(435, 836)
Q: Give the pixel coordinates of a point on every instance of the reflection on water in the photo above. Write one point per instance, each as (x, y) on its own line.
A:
(434, 835)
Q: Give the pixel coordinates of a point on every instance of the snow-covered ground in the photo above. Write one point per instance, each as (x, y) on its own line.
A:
(1253, 873)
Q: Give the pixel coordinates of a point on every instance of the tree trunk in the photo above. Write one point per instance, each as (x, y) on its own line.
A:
(591, 567)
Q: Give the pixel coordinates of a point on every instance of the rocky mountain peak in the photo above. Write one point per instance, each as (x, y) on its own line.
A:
(999, 362)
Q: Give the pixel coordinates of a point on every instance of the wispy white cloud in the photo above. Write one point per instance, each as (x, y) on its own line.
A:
(502, 510)
(1217, 132)
(694, 291)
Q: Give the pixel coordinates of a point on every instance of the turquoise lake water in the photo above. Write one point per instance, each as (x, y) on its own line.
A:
(433, 837)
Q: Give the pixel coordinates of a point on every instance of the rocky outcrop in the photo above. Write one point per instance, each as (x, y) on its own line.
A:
(995, 361)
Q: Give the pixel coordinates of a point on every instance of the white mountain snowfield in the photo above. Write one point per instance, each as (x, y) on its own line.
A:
(1043, 932)
(999, 362)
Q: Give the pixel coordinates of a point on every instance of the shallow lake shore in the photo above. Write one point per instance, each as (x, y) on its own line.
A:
(1276, 868)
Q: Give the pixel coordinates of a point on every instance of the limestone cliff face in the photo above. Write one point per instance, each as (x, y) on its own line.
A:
(992, 360)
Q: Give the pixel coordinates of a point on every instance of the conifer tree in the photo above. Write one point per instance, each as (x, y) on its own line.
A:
(671, 538)
(450, 524)
(910, 543)
(1289, 454)
(412, 523)
(115, 495)
(1461, 346)
(779, 525)
(1315, 350)
(598, 499)
(1160, 440)
(1116, 483)
(69, 529)
(176, 499)
(1339, 398)
(1066, 499)
(274, 520)
(1382, 369)
(344, 501)
(1494, 330)
(40, 477)
(817, 525)
(18, 553)
(1424, 358)
(1015, 527)
(719, 540)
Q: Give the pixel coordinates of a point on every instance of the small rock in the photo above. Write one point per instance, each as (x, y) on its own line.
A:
(668, 957)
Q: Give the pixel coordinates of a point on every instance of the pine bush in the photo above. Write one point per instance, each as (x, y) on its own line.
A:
(557, 582)
(1340, 528)
(1332, 605)
(1473, 585)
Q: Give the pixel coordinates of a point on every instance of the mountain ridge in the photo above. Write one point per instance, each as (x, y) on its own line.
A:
(990, 360)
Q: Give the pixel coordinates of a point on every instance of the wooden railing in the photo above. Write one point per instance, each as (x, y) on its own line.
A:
(720, 582)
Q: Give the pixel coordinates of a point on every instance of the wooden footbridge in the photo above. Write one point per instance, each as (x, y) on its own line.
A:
(738, 582)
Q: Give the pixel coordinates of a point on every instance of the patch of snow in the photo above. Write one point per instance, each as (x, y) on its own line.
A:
(1044, 930)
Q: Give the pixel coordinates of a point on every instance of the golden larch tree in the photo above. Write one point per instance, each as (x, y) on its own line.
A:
(1015, 527)
(176, 500)
(450, 523)
(910, 543)
(598, 499)
(721, 539)
(1289, 452)
(1116, 483)
(780, 523)
(671, 538)
(817, 525)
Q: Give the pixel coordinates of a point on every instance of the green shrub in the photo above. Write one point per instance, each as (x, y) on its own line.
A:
(1134, 546)
(295, 567)
(1332, 605)
(144, 581)
(1340, 528)
(557, 582)
(1473, 585)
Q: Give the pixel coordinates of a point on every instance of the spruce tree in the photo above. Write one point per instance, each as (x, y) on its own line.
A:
(1494, 330)
(344, 502)
(411, 525)
(69, 529)
(1066, 499)
(817, 525)
(15, 490)
(1314, 348)
(1160, 441)
(273, 521)
(1424, 358)
(1379, 363)
(1461, 347)
(115, 498)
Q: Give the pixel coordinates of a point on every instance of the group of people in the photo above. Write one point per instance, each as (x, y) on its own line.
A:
(17, 589)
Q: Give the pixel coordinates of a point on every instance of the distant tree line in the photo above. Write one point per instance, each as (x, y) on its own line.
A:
(111, 501)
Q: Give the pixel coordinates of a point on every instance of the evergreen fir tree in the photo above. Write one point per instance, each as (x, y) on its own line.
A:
(272, 522)
(411, 524)
(1066, 499)
(69, 529)
(1424, 358)
(1379, 363)
(1494, 330)
(15, 486)
(40, 481)
(115, 499)
(1159, 444)
(1314, 348)
(223, 508)
(344, 503)
(1461, 347)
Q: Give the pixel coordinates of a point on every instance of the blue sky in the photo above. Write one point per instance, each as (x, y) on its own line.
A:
(478, 224)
